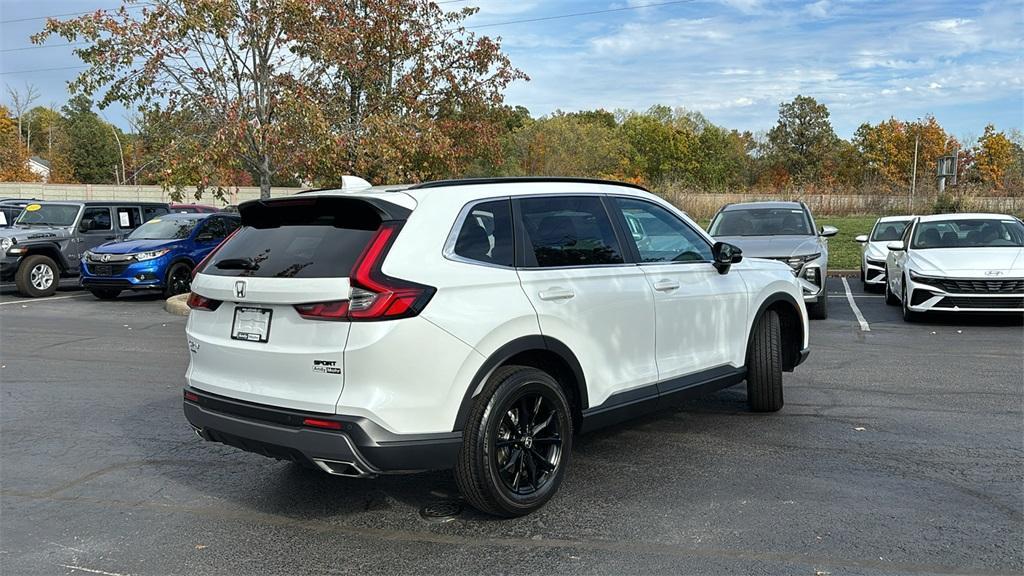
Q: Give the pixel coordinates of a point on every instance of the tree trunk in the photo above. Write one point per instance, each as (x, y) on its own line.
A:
(265, 177)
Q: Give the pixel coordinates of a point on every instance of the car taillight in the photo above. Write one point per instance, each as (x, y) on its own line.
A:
(377, 296)
(202, 263)
(197, 302)
(336, 310)
(374, 295)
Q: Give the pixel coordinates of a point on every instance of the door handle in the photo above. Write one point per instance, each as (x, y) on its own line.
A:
(556, 293)
(666, 285)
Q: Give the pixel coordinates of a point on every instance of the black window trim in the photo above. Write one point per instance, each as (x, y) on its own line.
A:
(620, 221)
(519, 232)
(453, 235)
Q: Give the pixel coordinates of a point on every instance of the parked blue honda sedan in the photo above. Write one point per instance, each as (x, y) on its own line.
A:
(159, 255)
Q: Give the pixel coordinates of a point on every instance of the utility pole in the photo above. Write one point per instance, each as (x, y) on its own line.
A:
(913, 178)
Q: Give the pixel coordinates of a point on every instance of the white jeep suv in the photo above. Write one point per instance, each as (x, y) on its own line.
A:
(475, 325)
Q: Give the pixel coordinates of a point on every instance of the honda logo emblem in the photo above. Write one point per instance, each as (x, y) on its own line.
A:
(105, 258)
(240, 289)
(994, 273)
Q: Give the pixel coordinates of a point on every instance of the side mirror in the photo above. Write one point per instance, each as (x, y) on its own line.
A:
(896, 246)
(725, 255)
(862, 238)
(85, 226)
(829, 231)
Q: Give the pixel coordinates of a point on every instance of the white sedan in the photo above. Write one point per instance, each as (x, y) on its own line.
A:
(874, 251)
(957, 263)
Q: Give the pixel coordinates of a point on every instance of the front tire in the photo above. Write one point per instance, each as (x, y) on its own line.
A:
(764, 365)
(178, 280)
(105, 293)
(516, 444)
(908, 314)
(819, 310)
(37, 276)
(890, 298)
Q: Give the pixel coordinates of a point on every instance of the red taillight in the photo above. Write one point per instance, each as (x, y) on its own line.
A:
(337, 310)
(191, 396)
(197, 302)
(318, 423)
(374, 295)
(202, 263)
(377, 296)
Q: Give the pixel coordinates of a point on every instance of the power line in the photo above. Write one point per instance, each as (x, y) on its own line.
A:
(2, 72)
(45, 46)
(577, 14)
(29, 19)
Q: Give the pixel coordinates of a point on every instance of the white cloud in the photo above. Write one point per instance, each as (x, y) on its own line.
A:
(818, 9)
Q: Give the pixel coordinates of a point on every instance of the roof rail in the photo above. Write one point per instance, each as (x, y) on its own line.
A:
(520, 179)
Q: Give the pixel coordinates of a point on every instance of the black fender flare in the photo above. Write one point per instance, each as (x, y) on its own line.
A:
(503, 354)
(768, 302)
(51, 250)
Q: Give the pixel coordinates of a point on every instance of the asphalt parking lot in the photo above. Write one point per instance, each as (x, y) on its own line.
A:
(900, 451)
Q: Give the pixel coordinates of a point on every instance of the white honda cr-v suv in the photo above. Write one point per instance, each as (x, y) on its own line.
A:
(475, 325)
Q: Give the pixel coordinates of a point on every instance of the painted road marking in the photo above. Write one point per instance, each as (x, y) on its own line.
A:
(38, 300)
(856, 311)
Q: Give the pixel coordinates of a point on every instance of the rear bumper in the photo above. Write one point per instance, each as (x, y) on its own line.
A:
(278, 433)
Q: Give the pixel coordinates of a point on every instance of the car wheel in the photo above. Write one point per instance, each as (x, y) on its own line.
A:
(764, 365)
(105, 293)
(178, 280)
(890, 298)
(37, 276)
(819, 310)
(517, 443)
(908, 314)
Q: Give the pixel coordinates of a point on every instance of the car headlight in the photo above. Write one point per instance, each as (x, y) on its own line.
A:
(5, 244)
(151, 254)
(920, 277)
(797, 262)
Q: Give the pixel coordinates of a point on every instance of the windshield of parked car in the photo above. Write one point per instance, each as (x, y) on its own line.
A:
(165, 229)
(762, 222)
(968, 233)
(889, 231)
(48, 215)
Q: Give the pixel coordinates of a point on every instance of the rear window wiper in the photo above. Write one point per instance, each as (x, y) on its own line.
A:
(238, 264)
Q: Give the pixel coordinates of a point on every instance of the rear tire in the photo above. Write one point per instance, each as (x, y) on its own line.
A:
(105, 293)
(819, 310)
(505, 468)
(37, 276)
(764, 365)
(178, 280)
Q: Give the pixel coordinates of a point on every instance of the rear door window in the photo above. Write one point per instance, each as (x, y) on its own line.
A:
(128, 218)
(568, 231)
(316, 239)
(486, 234)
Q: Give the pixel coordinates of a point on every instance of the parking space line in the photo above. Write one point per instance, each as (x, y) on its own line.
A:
(856, 311)
(37, 300)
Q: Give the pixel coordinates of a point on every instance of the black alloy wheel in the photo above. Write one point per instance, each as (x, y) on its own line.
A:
(528, 445)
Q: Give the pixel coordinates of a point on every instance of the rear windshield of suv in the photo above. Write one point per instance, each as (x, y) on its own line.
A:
(302, 240)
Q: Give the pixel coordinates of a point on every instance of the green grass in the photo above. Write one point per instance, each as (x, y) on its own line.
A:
(843, 251)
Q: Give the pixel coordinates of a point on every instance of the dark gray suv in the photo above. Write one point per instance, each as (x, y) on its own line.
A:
(48, 239)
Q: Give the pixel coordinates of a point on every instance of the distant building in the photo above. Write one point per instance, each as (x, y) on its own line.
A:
(40, 167)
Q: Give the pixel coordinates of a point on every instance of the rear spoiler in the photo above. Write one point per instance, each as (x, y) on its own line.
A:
(360, 212)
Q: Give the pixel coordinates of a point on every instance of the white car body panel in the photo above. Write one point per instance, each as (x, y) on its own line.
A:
(410, 376)
(877, 251)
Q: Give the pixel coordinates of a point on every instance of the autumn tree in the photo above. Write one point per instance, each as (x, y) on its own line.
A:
(297, 89)
(994, 157)
(89, 144)
(13, 154)
(802, 139)
(887, 149)
(21, 101)
(565, 145)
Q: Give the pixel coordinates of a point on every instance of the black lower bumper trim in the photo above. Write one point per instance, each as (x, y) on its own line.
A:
(278, 433)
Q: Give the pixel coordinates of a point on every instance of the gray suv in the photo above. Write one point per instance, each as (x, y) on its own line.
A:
(48, 239)
(782, 231)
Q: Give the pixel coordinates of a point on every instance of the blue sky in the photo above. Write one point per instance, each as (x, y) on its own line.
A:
(733, 60)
